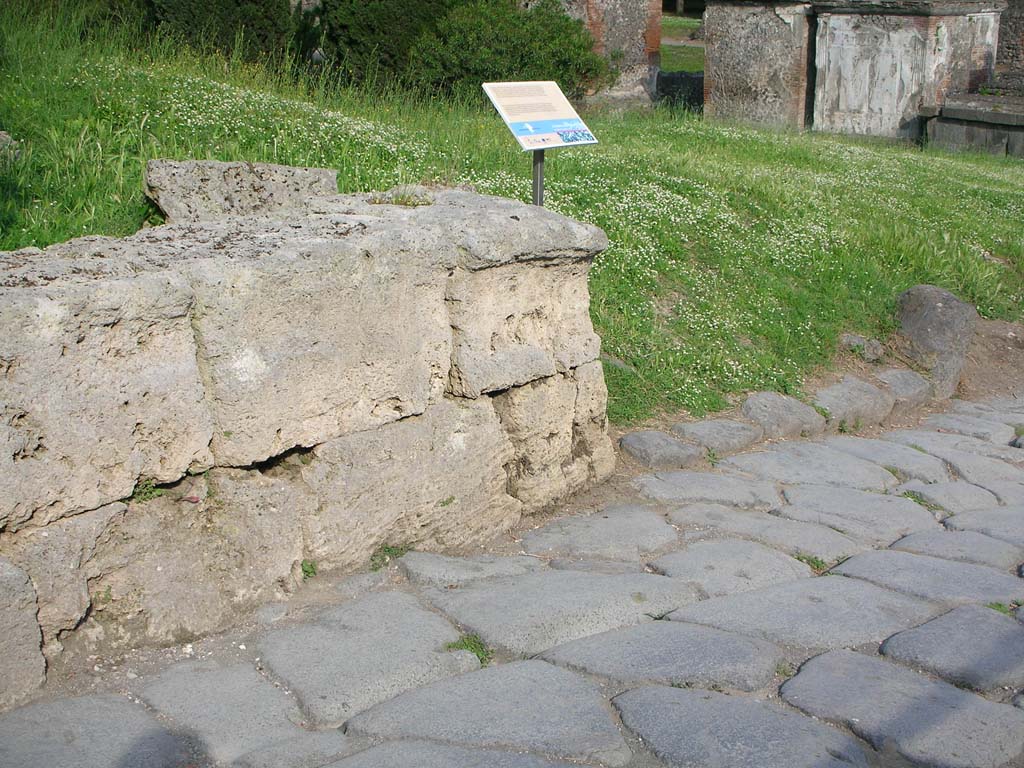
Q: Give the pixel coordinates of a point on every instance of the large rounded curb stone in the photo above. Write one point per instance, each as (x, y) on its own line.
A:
(443, 572)
(726, 566)
(359, 654)
(672, 653)
(24, 668)
(781, 416)
(901, 713)
(426, 754)
(820, 613)
(527, 705)
(910, 390)
(971, 646)
(618, 532)
(731, 732)
(853, 403)
(102, 731)
(941, 581)
(722, 436)
(939, 328)
(658, 450)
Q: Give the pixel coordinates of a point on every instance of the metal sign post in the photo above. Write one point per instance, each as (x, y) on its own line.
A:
(540, 117)
(538, 177)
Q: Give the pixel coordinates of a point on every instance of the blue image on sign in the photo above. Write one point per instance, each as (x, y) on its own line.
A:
(571, 131)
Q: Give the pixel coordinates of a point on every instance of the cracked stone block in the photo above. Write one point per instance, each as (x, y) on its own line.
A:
(911, 390)
(619, 532)
(96, 731)
(527, 705)
(658, 450)
(1005, 523)
(821, 613)
(427, 754)
(781, 416)
(721, 436)
(971, 646)
(939, 328)
(445, 572)
(901, 460)
(24, 668)
(672, 653)
(906, 715)
(965, 546)
(200, 190)
(525, 615)
(232, 708)
(790, 536)
(725, 566)
(942, 581)
(732, 731)
(812, 463)
(983, 429)
(708, 487)
(359, 654)
(854, 403)
(873, 518)
(952, 497)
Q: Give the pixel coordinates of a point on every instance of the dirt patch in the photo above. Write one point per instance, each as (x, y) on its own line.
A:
(995, 362)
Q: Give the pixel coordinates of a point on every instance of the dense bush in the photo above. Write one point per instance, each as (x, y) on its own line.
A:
(367, 37)
(487, 40)
(265, 26)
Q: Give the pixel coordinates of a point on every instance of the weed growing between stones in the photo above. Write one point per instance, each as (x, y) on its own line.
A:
(737, 255)
(817, 565)
(919, 499)
(384, 554)
(1003, 608)
(474, 645)
(308, 569)
(146, 490)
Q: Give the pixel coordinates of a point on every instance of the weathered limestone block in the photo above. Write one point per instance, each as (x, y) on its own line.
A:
(757, 62)
(23, 667)
(190, 561)
(98, 387)
(56, 558)
(512, 326)
(201, 190)
(315, 341)
(558, 428)
(429, 482)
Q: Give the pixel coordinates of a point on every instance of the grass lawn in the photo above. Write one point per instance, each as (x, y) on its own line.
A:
(737, 255)
(678, 26)
(682, 58)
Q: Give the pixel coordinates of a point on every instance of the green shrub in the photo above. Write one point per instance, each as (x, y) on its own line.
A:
(489, 40)
(369, 37)
(265, 26)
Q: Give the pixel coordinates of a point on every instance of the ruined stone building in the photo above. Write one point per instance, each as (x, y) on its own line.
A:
(1011, 39)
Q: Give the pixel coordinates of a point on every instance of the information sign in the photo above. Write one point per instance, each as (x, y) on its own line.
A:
(539, 115)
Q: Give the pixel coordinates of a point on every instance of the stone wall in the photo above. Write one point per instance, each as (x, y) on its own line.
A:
(191, 412)
(757, 62)
(627, 31)
(1011, 38)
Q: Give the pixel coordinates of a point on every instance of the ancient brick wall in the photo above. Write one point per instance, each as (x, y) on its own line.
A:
(1011, 38)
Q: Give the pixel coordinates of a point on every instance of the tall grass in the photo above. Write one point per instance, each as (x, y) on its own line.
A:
(737, 255)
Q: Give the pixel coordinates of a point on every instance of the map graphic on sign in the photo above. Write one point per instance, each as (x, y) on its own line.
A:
(539, 115)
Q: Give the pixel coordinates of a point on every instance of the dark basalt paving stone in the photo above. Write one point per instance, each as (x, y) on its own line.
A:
(785, 535)
(1005, 523)
(708, 488)
(527, 705)
(873, 518)
(972, 426)
(854, 403)
(725, 566)
(819, 613)
(900, 459)
(703, 729)
(781, 416)
(901, 713)
(972, 646)
(89, 732)
(443, 572)
(528, 614)
(622, 532)
(722, 436)
(427, 754)
(951, 497)
(672, 653)
(659, 450)
(965, 546)
(931, 578)
(812, 464)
